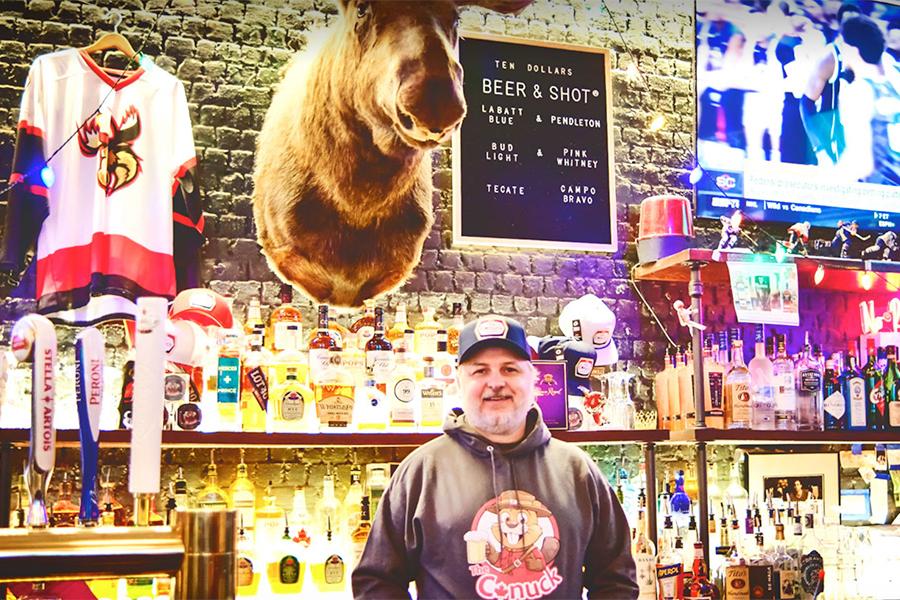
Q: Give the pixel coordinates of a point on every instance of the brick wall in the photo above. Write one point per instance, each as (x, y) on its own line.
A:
(228, 54)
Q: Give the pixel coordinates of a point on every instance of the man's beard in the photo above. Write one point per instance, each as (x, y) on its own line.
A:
(498, 424)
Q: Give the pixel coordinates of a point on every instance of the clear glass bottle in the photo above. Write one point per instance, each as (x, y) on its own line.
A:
(350, 504)
(713, 389)
(762, 385)
(248, 568)
(808, 378)
(299, 518)
(644, 554)
(737, 390)
(834, 406)
(669, 575)
(269, 521)
(853, 387)
(212, 496)
(243, 496)
(785, 389)
(254, 317)
(426, 334)
(787, 577)
(400, 325)
(328, 507)
(402, 393)
(812, 564)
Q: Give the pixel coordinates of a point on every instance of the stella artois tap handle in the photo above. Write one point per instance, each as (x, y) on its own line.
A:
(34, 336)
(147, 410)
(89, 364)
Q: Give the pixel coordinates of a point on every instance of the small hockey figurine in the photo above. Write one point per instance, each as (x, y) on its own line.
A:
(798, 237)
(731, 228)
(684, 316)
(843, 237)
(883, 248)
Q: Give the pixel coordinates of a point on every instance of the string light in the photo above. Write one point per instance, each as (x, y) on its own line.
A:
(819, 275)
(48, 177)
(696, 175)
(632, 73)
(866, 280)
(658, 122)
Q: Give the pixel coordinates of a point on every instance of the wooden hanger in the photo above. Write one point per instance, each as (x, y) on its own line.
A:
(112, 41)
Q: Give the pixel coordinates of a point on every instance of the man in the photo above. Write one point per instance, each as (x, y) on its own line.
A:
(873, 147)
(495, 508)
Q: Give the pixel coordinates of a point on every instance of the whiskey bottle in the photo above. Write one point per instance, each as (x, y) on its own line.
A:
(785, 389)
(426, 334)
(243, 496)
(285, 571)
(737, 390)
(254, 317)
(395, 334)
(456, 325)
(335, 395)
(853, 388)
(320, 347)
(255, 384)
(283, 314)
(291, 407)
(359, 535)
(834, 405)
(762, 385)
(364, 327)
(431, 394)
(379, 353)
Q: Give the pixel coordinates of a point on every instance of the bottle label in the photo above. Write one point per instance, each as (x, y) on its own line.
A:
(762, 581)
(876, 397)
(334, 570)
(788, 582)
(645, 565)
(319, 363)
(284, 338)
(335, 405)
(737, 582)
(810, 567)
(188, 416)
(810, 381)
(379, 363)
(740, 402)
(785, 396)
(834, 405)
(404, 390)
(715, 393)
(256, 381)
(228, 380)
(894, 413)
(669, 578)
(426, 342)
(289, 570)
(363, 335)
(244, 571)
(432, 405)
(857, 402)
(292, 405)
(402, 394)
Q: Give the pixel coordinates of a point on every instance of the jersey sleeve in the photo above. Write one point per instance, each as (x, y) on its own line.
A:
(187, 205)
(27, 202)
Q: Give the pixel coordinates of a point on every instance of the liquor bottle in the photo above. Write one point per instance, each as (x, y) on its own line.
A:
(228, 383)
(689, 537)
(700, 587)
(364, 327)
(426, 334)
(395, 333)
(379, 353)
(402, 393)
(320, 346)
(328, 507)
(680, 502)
(812, 580)
(255, 384)
(359, 535)
(327, 564)
(456, 325)
(289, 355)
(713, 388)
(243, 496)
(371, 411)
(291, 406)
(737, 390)
(335, 394)
(431, 395)
(892, 389)
(685, 373)
(281, 316)
(762, 385)
(444, 362)
(64, 512)
(737, 575)
(212, 496)
(724, 354)
(669, 575)
(254, 317)
(180, 490)
(761, 573)
(269, 520)
(785, 389)
(286, 570)
(350, 504)
(248, 574)
(735, 491)
(834, 408)
(874, 391)
(853, 387)
(819, 356)
(809, 390)
(644, 554)
(786, 575)
(661, 393)
(299, 517)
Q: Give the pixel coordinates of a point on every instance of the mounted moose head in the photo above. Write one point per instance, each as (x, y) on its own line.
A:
(343, 193)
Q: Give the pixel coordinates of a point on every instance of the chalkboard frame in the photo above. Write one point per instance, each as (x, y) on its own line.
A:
(457, 209)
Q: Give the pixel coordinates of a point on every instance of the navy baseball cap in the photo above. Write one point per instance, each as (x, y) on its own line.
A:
(493, 331)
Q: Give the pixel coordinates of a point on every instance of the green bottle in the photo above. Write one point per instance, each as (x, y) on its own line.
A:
(892, 390)
(874, 392)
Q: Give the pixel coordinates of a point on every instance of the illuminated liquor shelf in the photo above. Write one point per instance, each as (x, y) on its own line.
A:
(171, 439)
(846, 275)
(739, 436)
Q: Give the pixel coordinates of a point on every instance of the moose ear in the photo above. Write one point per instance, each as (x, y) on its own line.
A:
(501, 6)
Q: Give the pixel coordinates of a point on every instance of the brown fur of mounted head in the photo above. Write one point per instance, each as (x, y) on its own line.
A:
(343, 193)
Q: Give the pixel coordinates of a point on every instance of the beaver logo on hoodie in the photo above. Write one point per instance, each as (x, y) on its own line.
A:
(511, 547)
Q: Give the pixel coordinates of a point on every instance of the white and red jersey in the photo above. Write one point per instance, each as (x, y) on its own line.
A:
(123, 218)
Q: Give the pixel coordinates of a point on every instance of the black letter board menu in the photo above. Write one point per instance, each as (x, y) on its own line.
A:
(532, 161)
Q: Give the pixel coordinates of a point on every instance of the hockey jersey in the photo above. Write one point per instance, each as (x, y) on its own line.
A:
(123, 218)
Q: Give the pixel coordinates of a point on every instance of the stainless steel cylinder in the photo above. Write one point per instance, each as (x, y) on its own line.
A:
(209, 569)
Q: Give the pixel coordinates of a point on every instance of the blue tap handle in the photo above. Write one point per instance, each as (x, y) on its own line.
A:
(89, 391)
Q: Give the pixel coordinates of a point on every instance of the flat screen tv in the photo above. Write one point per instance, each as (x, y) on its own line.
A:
(798, 111)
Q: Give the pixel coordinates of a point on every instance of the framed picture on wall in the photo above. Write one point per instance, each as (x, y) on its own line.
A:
(533, 158)
(795, 477)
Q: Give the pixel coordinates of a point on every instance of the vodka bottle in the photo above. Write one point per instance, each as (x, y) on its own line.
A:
(737, 390)
(785, 389)
(713, 388)
(834, 408)
(787, 577)
(762, 385)
(892, 389)
(808, 378)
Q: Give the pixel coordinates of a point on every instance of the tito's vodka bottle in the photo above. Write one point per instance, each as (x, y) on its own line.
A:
(737, 390)
(785, 392)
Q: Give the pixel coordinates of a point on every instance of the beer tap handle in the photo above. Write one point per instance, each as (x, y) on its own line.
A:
(89, 365)
(34, 336)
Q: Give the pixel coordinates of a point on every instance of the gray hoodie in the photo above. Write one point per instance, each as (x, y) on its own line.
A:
(465, 518)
